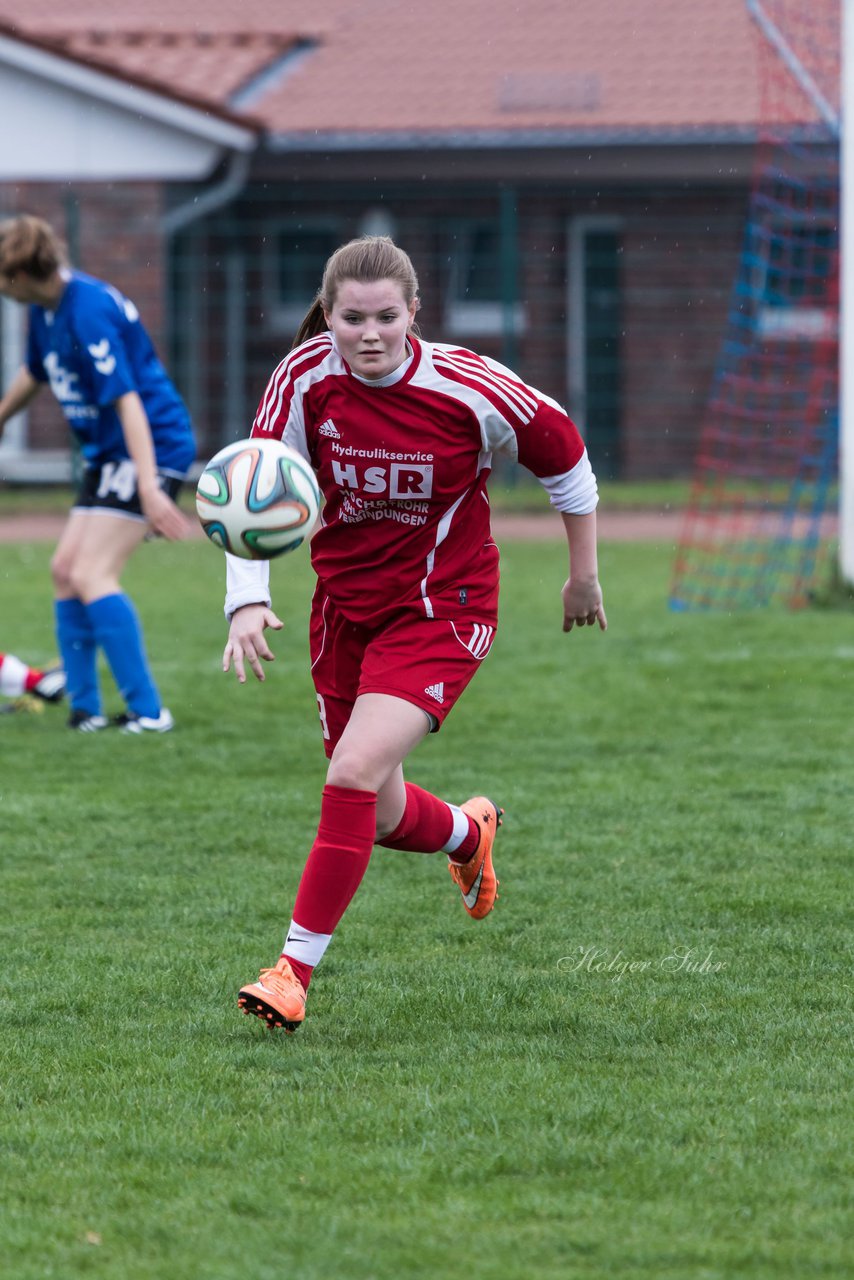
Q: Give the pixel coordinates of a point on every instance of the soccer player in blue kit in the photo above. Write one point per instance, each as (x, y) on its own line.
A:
(87, 342)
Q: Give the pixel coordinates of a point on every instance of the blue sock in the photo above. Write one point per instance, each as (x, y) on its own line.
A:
(119, 633)
(79, 651)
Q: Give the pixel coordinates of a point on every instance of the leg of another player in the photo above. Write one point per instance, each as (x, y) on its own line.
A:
(74, 635)
(18, 678)
(13, 675)
(100, 552)
(92, 612)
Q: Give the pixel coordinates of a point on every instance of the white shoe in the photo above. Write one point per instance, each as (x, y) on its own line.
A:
(83, 722)
(131, 723)
(51, 687)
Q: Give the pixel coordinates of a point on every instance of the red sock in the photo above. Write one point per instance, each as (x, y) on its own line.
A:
(301, 971)
(465, 851)
(338, 859)
(426, 824)
(33, 677)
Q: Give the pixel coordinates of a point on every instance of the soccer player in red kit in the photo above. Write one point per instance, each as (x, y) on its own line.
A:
(401, 434)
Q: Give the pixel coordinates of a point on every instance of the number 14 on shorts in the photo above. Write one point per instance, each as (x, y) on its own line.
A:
(118, 478)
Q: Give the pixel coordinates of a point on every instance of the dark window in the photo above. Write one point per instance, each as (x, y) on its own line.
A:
(301, 255)
(476, 263)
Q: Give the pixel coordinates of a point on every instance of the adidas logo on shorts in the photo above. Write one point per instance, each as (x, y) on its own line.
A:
(436, 691)
(328, 428)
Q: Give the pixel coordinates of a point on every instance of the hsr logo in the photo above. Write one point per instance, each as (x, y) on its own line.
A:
(397, 480)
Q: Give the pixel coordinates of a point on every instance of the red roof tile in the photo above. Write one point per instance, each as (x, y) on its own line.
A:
(208, 67)
(442, 68)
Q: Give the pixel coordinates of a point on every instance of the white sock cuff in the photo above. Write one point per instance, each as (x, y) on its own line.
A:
(302, 944)
(460, 831)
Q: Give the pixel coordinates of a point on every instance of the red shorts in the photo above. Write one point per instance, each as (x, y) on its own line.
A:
(426, 661)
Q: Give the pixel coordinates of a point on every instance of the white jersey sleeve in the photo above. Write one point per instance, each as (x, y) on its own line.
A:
(573, 492)
(247, 582)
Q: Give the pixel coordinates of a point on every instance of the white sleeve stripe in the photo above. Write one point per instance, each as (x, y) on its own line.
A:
(479, 369)
(497, 432)
(272, 402)
(520, 411)
(263, 414)
(513, 386)
(473, 360)
(275, 394)
(513, 412)
(482, 368)
(285, 375)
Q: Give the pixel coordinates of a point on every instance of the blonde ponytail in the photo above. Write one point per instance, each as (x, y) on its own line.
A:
(313, 323)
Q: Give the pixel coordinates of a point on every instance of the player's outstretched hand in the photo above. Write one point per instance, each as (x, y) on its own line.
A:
(247, 642)
(164, 516)
(582, 605)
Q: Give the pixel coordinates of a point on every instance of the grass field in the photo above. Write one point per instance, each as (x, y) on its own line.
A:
(638, 1067)
(518, 492)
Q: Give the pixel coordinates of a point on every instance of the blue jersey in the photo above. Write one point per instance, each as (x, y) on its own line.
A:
(93, 349)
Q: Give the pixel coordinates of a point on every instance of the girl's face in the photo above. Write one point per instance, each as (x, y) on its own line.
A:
(370, 322)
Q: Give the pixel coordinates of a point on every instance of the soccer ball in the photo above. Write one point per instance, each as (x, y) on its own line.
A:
(257, 499)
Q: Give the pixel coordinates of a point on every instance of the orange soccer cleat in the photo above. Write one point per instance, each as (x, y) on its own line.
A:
(476, 878)
(278, 997)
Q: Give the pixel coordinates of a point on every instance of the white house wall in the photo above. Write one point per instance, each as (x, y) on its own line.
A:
(51, 132)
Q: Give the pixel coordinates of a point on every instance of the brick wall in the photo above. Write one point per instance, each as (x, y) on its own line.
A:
(112, 230)
(679, 251)
(680, 262)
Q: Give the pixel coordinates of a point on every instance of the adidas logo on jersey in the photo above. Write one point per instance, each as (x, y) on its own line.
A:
(328, 428)
(436, 691)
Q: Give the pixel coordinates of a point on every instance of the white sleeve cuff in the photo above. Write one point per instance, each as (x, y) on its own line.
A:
(573, 492)
(247, 582)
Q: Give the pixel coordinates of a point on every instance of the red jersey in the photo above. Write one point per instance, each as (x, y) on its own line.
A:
(403, 462)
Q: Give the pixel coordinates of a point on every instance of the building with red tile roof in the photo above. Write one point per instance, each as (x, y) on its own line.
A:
(571, 179)
(440, 69)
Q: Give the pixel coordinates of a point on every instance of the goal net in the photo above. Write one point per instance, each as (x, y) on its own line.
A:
(761, 508)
